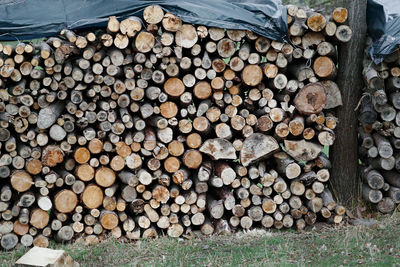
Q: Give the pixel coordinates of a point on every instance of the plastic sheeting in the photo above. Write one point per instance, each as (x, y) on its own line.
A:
(383, 19)
(29, 19)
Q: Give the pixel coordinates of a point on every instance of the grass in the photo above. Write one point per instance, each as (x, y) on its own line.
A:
(323, 245)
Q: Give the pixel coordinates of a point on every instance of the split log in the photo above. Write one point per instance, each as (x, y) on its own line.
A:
(257, 146)
(218, 148)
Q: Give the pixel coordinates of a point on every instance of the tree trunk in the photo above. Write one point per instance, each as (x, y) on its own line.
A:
(345, 150)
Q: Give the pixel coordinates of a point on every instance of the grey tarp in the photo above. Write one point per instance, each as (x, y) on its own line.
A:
(28, 19)
(383, 18)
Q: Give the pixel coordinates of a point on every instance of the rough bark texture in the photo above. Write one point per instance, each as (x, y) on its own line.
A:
(345, 150)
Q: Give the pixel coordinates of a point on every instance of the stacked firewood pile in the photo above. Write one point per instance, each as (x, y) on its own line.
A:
(167, 127)
(379, 132)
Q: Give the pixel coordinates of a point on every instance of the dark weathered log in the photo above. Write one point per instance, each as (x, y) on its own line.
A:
(385, 149)
(371, 195)
(49, 115)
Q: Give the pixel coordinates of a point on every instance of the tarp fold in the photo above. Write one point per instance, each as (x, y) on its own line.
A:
(29, 19)
(383, 19)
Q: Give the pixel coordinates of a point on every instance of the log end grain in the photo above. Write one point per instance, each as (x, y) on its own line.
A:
(192, 159)
(311, 99)
(252, 75)
(105, 176)
(92, 196)
(65, 201)
(21, 181)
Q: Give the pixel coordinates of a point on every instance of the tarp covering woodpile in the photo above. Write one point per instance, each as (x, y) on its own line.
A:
(34, 19)
(383, 18)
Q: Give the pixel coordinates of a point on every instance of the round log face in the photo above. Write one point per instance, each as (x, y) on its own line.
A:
(226, 48)
(82, 155)
(192, 159)
(144, 42)
(65, 201)
(34, 167)
(171, 164)
(85, 172)
(39, 218)
(311, 99)
(324, 67)
(168, 110)
(109, 221)
(186, 36)
(252, 75)
(171, 23)
(105, 177)
(95, 146)
(21, 181)
(316, 22)
(161, 194)
(264, 123)
(174, 87)
(194, 140)
(202, 90)
(153, 14)
(52, 155)
(270, 71)
(92, 196)
(339, 15)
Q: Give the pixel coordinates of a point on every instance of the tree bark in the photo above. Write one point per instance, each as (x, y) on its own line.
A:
(345, 179)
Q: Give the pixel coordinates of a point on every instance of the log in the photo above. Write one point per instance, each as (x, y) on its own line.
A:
(65, 201)
(374, 179)
(130, 26)
(385, 149)
(92, 196)
(371, 195)
(343, 33)
(339, 15)
(108, 219)
(216, 208)
(153, 14)
(39, 218)
(386, 205)
(9, 241)
(144, 42)
(49, 115)
(252, 75)
(186, 36)
(21, 181)
(192, 159)
(105, 176)
(256, 147)
(202, 90)
(218, 148)
(171, 23)
(316, 22)
(302, 150)
(311, 99)
(174, 87)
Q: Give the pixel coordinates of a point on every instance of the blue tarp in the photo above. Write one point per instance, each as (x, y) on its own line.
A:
(383, 19)
(29, 19)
